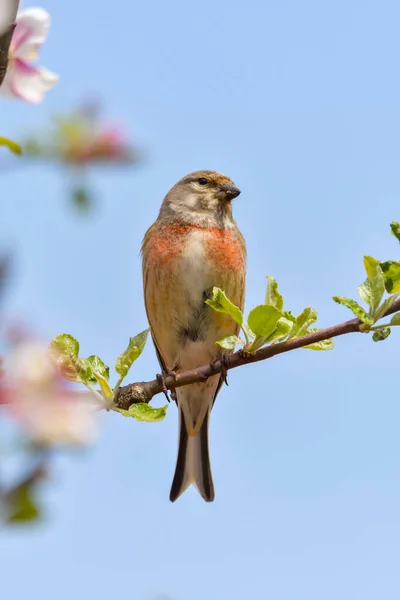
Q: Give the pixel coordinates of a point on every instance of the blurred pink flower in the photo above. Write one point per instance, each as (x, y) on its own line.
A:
(23, 80)
(111, 144)
(89, 145)
(37, 398)
(2, 387)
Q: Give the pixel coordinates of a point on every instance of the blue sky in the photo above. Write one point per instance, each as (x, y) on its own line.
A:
(298, 102)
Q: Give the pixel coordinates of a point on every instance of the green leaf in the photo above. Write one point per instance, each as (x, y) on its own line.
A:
(273, 297)
(283, 328)
(391, 273)
(220, 303)
(327, 344)
(64, 345)
(98, 366)
(83, 370)
(21, 505)
(105, 387)
(355, 308)
(248, 331)
(365, 292)
(395, 227)
(385, 306)
(395, 320)
(288, 315)
(145, 412)
(229, 342)
(100, 375)
(381, 334)
(375, 276)
(307, 317)
(263, 319)
(13, 146)
(133, 351)
(64, 350)
(82, 198)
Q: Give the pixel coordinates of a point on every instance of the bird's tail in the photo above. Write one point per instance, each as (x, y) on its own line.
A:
(193, 462)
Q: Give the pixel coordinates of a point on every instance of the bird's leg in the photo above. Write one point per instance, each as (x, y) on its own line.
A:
(161, 380)
(225, 364)
(173, 390)
(224, 360)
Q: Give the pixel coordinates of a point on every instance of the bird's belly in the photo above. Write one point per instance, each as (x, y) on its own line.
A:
(195, 270)
(185, 328)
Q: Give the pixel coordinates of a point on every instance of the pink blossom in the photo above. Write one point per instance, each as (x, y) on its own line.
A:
(37, 398)
(24, 80)
(89, 145)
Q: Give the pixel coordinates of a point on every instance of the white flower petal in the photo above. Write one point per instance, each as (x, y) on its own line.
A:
(31, 31)
(38, 401)
(28, 83)
(62, 422)
(30, 363)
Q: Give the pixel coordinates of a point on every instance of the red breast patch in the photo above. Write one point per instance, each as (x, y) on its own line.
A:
(221, 246)
(224, 249)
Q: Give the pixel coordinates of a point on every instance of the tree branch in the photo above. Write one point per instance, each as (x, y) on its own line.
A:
(144, 391)
(6, 36)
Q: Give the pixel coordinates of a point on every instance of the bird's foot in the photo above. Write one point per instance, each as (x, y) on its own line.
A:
(161, 380)
(225, 364)
(173, 390)
(161, 377)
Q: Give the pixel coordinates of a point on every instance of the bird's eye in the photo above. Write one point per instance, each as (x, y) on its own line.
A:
(203, 181)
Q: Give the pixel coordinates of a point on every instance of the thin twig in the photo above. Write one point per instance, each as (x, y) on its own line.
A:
(145, 390)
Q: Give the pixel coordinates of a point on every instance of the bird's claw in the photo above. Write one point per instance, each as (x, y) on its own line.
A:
(224, 360)
(161, 380)
(225, 364)
(173, 390)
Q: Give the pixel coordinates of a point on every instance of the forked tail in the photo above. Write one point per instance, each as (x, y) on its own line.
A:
(193, 462)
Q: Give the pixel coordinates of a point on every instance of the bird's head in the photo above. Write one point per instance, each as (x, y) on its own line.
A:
(202, 197)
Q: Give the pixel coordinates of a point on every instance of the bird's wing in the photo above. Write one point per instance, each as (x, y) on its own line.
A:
(159, 356)
(237, 299)
(144, 251)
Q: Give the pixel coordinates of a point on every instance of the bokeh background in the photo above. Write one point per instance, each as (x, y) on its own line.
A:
(298, 102)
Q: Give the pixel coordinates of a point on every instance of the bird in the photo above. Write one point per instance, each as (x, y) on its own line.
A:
(193, 246)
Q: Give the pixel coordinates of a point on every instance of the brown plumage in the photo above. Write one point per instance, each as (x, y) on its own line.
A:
(193, 246)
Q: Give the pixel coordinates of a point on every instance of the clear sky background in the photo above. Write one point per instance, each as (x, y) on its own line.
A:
(298, 102)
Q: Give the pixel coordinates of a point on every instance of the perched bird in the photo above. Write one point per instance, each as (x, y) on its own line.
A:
(193, 246)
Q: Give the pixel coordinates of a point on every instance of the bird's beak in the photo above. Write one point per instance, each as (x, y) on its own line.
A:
(230, 191)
